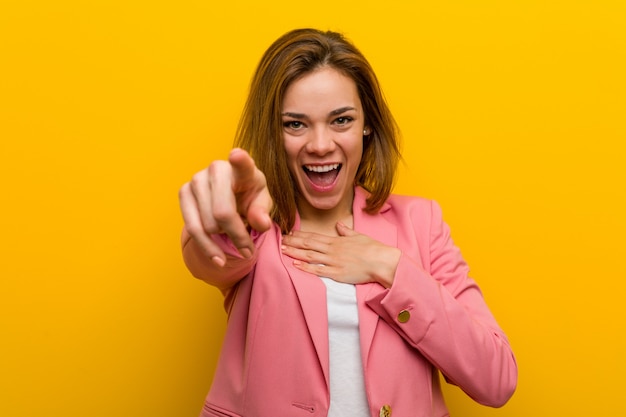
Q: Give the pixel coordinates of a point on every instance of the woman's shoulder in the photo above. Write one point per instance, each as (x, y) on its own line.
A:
(411, 203)
(413, 209)
(402, 205)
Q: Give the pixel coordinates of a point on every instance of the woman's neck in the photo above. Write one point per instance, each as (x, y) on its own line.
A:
(325, 221)
(326, 226)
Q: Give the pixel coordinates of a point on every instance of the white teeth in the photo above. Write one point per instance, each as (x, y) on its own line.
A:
(321, 168)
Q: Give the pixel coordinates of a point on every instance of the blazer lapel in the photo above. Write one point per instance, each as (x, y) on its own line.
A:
(311, 293)
(378, 228)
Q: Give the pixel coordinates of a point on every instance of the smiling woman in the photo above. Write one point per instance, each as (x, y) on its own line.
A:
(323, 270)
(323, 136)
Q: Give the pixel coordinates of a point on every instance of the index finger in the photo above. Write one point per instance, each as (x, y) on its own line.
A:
(244, 169)
(224, 212)
(253, 200)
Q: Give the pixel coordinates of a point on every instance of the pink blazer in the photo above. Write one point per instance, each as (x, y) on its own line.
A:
(274, 359)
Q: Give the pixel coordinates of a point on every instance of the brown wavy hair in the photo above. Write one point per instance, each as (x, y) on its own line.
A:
(290, 57)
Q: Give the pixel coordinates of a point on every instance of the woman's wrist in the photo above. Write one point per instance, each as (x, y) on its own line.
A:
(388, 266)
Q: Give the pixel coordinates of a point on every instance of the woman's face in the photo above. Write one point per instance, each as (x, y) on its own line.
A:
(323, 133)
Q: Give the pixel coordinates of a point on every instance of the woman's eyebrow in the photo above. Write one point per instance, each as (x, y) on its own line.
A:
(332, 113)
(294, 115)
(341, 110)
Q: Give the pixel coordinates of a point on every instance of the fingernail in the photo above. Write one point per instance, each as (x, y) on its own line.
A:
(218, 261)
(245, 252)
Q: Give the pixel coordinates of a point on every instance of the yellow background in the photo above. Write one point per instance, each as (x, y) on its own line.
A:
(513, 118)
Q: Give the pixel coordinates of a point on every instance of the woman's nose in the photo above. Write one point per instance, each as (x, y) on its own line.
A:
(320, 141)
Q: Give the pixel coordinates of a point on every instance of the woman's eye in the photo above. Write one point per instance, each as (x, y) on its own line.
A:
(293, 124)
(343, 120)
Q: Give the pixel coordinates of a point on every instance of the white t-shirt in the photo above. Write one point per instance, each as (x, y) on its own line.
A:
(347, 385)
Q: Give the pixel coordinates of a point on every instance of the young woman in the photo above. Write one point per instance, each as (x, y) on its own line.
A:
(342, 298)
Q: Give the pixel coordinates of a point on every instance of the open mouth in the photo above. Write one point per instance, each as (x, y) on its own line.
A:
(322, 175)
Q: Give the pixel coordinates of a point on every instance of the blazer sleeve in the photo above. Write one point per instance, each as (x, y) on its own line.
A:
(439, 310)
(236, 266)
